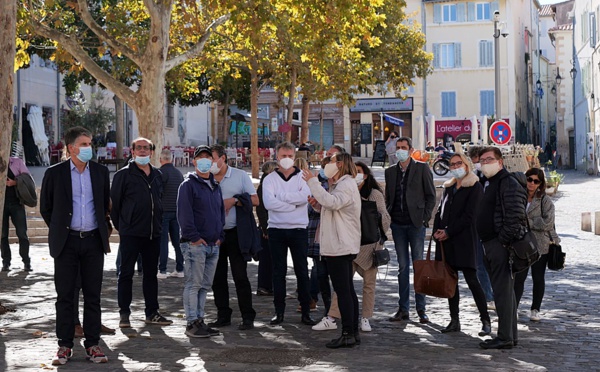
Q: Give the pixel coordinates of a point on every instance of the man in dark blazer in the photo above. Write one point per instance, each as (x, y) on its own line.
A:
(74, 203)
(409, 198)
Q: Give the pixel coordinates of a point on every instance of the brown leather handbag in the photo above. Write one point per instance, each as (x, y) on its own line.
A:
(435, 278)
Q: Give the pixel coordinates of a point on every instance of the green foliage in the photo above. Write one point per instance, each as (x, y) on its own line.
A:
(95, 117)
(554, 179)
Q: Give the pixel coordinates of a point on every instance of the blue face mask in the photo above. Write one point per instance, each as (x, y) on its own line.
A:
(85, 154)
(322, 173)
(142, 160)
(203, 165)
(458, 173)
(402, 155)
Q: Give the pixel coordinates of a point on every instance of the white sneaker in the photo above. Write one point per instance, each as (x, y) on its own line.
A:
(162, 275)
(326, 324)
(177, 274)
(491, 305)
(535, 316)
(364, 325)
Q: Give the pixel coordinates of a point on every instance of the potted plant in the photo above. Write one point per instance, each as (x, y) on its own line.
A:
(554, 179)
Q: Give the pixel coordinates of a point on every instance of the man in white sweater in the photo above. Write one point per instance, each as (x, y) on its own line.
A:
(285, 196)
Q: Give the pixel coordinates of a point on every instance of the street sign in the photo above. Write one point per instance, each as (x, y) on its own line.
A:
(500, 132)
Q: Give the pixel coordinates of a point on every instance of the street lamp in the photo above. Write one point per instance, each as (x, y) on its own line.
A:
(573, 73)
(497, 33)
(558, 77)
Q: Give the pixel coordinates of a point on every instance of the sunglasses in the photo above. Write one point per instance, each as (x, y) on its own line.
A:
(535, 181)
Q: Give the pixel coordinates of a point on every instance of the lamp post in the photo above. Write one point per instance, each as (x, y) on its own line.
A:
(573, 74)
(497, 33)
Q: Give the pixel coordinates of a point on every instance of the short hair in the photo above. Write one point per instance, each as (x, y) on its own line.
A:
(540, 175)
(166, 155)
(405, 139)
(73, 133)
(326, 160)
(466, 161)
(141, 139)
(474, 151)
(286, 145)
(348, 166)
(301, 163)
(495, 150)
(220, 150)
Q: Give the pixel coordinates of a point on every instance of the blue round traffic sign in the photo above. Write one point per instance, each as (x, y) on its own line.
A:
(500, 132)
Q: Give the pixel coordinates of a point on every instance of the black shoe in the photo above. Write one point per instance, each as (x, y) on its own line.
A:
(306, 319)
(345, 340)
(28, 268)
(264, 292)
(496, 343)
(277, 319)
(399, 316)
(356, 338)
(220, 322)
(486, 329)
(5, 267)
(246, 325)
(454, 326)
(423, 318)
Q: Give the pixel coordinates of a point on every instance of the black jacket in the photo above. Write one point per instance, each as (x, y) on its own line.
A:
(171, 178)
(56, 203)
(248, 232)
(510, 216)
(136, 202)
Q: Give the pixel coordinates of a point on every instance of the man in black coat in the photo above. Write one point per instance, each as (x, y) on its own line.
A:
(497, 230)
(136, 213)
(74, 202)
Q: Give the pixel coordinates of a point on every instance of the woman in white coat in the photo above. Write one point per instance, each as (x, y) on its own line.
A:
(339, 237)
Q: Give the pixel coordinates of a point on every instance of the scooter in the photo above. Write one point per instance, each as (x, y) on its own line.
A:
(441, 165)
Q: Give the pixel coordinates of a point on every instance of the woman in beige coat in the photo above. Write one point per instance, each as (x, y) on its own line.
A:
(363, 263)
(339, 237)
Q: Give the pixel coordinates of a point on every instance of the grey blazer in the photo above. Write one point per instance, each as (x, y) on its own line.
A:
(420, 192)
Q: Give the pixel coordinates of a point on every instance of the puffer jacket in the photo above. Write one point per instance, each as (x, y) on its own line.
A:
(339, 234)
(509, 214)
(541, 220)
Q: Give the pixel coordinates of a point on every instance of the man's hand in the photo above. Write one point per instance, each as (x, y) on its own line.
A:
(199, 242)
(10, 183)
(440, 235)
(229, 203)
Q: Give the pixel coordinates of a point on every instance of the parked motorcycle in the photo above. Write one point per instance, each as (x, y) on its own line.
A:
(441, 165)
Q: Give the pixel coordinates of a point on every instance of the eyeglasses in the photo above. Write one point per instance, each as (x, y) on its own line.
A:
(456, 165)
(487, 160)
(147, 148)
(534, 180)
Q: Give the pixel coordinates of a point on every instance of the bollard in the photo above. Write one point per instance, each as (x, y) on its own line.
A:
(597, 223)
(586, 221)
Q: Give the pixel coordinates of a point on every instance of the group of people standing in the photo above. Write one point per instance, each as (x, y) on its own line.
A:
(213, 216)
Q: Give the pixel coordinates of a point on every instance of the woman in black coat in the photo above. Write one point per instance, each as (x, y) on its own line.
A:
(455, 229)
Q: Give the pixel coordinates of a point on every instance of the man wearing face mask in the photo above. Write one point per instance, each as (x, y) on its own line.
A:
(409, 198)
(200, 196)
(234, 183)
(285, 196)
(501, 221)
(74, 202)
(136, 213)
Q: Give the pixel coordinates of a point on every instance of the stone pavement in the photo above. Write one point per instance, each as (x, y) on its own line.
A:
(567, 338)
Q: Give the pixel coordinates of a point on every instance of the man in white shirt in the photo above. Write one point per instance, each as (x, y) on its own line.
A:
(285, 196)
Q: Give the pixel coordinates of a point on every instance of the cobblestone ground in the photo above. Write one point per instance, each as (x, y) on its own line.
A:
(566, 339)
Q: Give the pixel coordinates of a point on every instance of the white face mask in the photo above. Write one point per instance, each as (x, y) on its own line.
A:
(458, 173)
(286, 163)
(490, 170)
(214, 168)
(360, 177)
(331, 169)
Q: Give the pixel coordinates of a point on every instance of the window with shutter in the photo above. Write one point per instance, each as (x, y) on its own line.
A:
(486, 53)
(436, 55)
(446, 55)
(461, 12)
(483, 12)
(437, 13)
(448, 104)
(449, 13)
(486, 102)
(457, 55)
(470, 11)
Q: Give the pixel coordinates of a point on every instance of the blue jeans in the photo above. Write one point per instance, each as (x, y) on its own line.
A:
(170, 226)
(403, 236)
(199, 268)
(482, 274)
(297, 241)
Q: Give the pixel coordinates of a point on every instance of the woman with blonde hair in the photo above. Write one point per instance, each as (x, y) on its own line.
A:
(454, 228)
(301, 163)
(339, 237)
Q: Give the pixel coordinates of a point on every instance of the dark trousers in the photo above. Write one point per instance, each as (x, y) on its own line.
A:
(170, 227)
(85, 256)
(265, 266)
(496, 260)
(231, 249)
(297, 241)
(131, 247)
(538, 274)
(322, 276)
(16, 212)
(341, 273)
(482, 274)
(478, 295)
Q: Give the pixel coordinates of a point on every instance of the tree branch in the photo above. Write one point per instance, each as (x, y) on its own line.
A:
(115, 45)
(71, 46)
(196, 49)
(152, 8)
